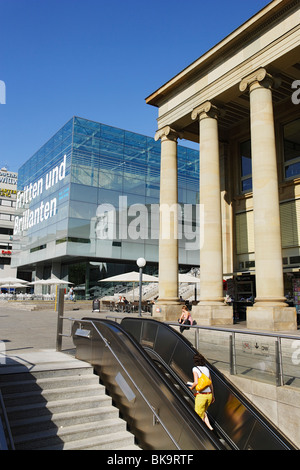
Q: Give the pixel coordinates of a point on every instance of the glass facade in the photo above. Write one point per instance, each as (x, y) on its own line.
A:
(92, 192)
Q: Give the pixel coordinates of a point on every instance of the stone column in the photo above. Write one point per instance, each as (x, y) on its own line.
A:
(270, 310)
(168, 306)
(56, 273)
(38, 289)
(211, 309)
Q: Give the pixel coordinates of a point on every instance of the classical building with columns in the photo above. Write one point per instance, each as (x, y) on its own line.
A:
(241, 102)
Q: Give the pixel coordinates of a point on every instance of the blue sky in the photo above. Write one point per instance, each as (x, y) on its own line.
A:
(98, 59)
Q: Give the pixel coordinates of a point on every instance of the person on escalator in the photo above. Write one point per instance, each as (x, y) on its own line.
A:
(205, 397)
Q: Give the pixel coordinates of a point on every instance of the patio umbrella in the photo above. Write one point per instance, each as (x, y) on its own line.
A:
(132, 276)
(17, 285)
(11, 280)
(50, 282)
(188, 278)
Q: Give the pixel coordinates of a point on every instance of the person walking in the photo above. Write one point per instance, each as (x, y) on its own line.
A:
(205, 397)
(72, 294)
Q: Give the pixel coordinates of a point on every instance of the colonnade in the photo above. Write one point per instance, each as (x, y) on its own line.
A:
(270, 310)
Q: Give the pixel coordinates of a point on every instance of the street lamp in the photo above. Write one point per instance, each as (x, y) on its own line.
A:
(141, 262)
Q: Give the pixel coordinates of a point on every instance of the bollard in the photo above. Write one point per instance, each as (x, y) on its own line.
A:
(60, 315)
(278, 360)
(232, 354)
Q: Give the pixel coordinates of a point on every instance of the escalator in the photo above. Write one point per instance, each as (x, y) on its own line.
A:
(156, 413)
(145, 365)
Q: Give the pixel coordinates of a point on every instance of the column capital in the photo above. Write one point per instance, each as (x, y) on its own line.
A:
(167, 133)
(205, 110)
(261, 78)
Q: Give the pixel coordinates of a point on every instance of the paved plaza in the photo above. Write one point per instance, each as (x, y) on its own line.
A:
(24, 330)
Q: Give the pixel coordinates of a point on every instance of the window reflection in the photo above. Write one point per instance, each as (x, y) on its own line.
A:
(291, 140)
(246, 166)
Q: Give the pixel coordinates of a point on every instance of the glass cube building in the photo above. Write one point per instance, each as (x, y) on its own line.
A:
(88, 205)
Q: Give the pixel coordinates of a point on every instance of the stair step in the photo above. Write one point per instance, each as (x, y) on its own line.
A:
(16, 373)
(48, 383)
(48, 369)
(58, 406)
(107, 429)
(47, 421)
(50, 395)
(121, 440)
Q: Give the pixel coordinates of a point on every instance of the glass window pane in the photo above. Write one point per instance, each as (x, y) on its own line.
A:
(245, 153)
(135, 140)
(247, 184)
(110, 180)
(80, 192)
(292, 170)
(291, 136)
(112, 134)
(133, 185)
(5, 216)
(85, 127)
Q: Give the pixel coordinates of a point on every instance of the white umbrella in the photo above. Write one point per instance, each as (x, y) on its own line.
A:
(17, 285)
(130, 277)
(50, 282)
(133, 277)
(11, 280)
(188, 278)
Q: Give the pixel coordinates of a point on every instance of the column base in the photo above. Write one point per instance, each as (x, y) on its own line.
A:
(210, 315)
(271, 318)
(166, 311)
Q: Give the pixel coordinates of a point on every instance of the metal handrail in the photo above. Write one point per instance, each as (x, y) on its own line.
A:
(234, 330)
(158, 419)
(278, 349)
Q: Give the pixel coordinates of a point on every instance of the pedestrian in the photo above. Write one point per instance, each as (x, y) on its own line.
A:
(71, 294)
(185, 319)
(205, 397)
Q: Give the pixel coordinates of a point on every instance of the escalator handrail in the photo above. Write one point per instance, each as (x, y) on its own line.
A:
(169, 369)
(233, 390)
(130, 378)
(117, 326)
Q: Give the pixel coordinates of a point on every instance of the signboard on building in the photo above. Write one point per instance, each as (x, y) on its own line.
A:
(8, 177)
